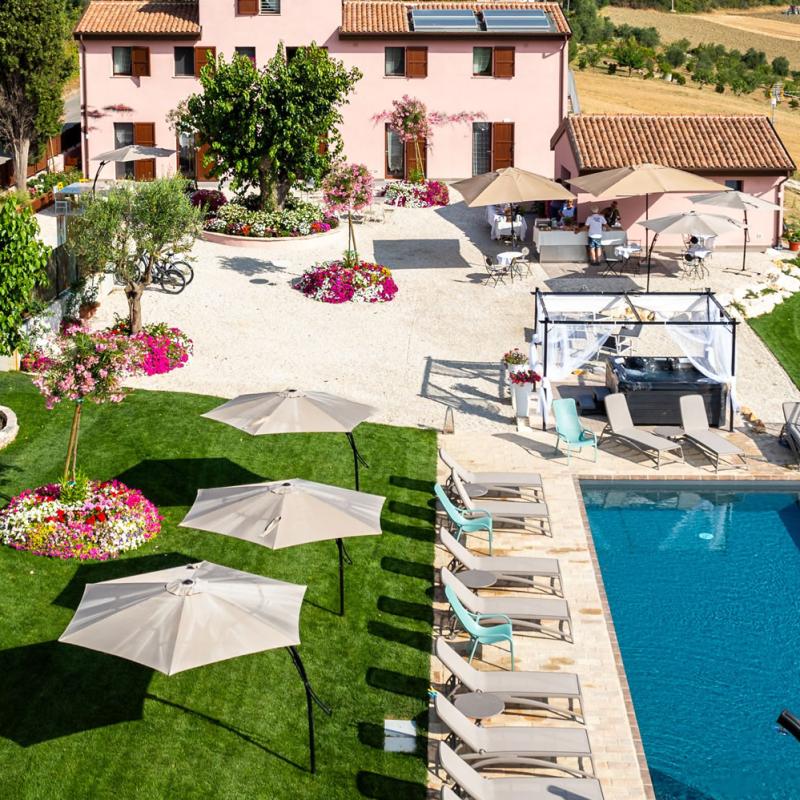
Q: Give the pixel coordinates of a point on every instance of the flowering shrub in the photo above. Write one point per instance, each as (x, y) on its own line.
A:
(210, 200)
(301, 219)
(161, 348)
(527, 376)
(347, 187)
(110, 520)
(46, 182)
(515, 356)
(417, 195)
(340, 282)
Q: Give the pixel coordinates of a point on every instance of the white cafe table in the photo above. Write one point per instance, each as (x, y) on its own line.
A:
(507, 259)
(501, 227)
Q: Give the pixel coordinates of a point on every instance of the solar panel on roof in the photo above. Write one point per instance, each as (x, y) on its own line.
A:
(518, 19)
(453, 19)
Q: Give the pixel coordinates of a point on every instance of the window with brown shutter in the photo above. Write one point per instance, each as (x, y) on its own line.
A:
(504, 62)
(248, 8)
(202, 55)
(416, 62)
(144, 134)
(502, 145)
(140, 62)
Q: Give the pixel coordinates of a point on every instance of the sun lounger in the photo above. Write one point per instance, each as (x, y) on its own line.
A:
(509, 512)
(511, 744)
(695, 428)
(579, 786)
(516, 571)
(499, 481)
(620, 426)
(524, 690)
(522, 612)
(790, 432)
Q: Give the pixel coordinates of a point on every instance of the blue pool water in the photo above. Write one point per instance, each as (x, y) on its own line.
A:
(704, 588)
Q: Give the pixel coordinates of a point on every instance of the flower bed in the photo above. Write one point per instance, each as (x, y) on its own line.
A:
(298, 219)
(337, 282)
(42, 186)
(110, 520)
(417, 195)
(161, 347)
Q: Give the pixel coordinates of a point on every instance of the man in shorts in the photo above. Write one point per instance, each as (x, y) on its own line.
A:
(595, 223)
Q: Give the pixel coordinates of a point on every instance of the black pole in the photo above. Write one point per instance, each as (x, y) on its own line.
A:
(733, 369)
(649, 257)
(97, 175)
(646, 219)
(340, 548)
(311, 698)
(544, 375)
(357, 459)
(746, 240)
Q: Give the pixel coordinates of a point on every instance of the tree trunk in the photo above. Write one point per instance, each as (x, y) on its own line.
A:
(265, 188)
(22, 148)
(133, 294)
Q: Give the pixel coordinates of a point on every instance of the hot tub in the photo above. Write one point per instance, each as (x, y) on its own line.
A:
(653, 387)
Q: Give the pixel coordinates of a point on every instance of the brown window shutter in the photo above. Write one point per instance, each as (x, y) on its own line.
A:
(144, 133)
(144, 170)
(502, 145)
(416, 62)
(322, 145)
(411, 157)
(247, 8)
(202, 55)
(201, 171)
(504, 62)
(140, 62)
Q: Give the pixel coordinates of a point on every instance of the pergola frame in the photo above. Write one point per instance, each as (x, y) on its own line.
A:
(726, 320)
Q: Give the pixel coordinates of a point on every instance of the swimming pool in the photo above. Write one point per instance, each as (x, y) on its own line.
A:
(703, 581)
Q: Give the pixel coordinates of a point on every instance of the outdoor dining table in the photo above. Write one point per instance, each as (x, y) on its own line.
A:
(509, 259)
(627, 251)
(502, 228)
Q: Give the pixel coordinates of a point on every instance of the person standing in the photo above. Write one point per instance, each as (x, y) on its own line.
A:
(596, 223)
(612, 215)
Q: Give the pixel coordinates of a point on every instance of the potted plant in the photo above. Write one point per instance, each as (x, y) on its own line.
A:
(793, 236)
(522, 384)
(515, 360)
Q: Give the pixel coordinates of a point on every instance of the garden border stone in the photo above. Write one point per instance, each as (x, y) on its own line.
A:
(10, 430)
(261, 241)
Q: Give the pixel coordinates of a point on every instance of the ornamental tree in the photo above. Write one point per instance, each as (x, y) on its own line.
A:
(23, 267)
(131, 228)
(410, 119)
(348, 187)
(268, 129)
(35, 63)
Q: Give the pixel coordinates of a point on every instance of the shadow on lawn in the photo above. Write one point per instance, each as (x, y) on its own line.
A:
(382, 787)
(416, 639)
(175, 481)
(411, 569)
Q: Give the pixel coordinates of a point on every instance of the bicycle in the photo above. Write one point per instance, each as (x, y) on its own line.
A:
(170, 262)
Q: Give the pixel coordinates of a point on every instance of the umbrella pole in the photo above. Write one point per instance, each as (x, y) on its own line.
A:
(746, 238)
(357, 459)
(311, 698)
(342, 556)
(97, 175)
(649, 257)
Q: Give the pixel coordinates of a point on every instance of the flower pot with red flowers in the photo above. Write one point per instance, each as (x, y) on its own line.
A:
(522, 386)
(793, 236)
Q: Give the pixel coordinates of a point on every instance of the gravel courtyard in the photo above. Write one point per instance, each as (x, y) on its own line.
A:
(437, 345)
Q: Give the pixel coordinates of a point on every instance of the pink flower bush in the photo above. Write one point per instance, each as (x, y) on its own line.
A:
(110, 520)
(347, 187)
(337, 282)
(417, 195)
(160, 348)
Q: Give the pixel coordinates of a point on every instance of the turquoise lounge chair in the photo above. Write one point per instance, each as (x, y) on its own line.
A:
(480, 634)
(570, 430)
(476, 519)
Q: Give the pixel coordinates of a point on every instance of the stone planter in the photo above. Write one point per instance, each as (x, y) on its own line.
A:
(275, 241)
(9, 427)
(521, 399)
(517, 367)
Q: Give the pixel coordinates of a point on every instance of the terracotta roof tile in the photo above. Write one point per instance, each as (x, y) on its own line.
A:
(138, 17)
(391, 16)
(694, 142)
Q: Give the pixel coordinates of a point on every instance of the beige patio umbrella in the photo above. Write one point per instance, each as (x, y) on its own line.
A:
(281, 514)
(131, 152)
(643, 179)
(510, 185)
(184, 617)
(690, 222)
(742, 202)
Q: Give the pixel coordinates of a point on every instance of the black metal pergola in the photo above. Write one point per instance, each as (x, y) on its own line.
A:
(631, 315)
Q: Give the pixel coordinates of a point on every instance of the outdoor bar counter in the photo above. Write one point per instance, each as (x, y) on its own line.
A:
(563, 244)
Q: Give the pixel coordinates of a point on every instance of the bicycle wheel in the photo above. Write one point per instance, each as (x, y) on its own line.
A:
(185, 269)
(172, 282)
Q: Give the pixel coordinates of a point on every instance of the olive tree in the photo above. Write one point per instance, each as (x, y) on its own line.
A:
(129, 229)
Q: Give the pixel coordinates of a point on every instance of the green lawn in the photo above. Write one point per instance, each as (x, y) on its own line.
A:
(79, 724)
(780, 332)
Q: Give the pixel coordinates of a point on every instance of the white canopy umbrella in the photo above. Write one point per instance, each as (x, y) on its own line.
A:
(690, 222)
(184, 617)
(741, 201)
(281, 514)
(131, 152)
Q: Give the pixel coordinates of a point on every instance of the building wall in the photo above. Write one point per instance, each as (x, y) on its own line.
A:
(765, 226)
(532, 99)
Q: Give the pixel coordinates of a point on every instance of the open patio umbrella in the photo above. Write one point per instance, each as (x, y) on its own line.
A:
(742, 202)
(689, 222)
(510, 185)
(184, 617)
(131, 152)
(643, 179)
(281, 514)
(295, 411)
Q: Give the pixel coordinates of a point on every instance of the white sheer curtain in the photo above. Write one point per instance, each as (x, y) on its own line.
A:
(569, 346)
(710, 349)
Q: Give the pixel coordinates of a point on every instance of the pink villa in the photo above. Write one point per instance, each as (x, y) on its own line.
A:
(506, 60)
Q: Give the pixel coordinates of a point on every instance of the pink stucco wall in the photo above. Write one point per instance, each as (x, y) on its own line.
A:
(533, 99)
(765, 226)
